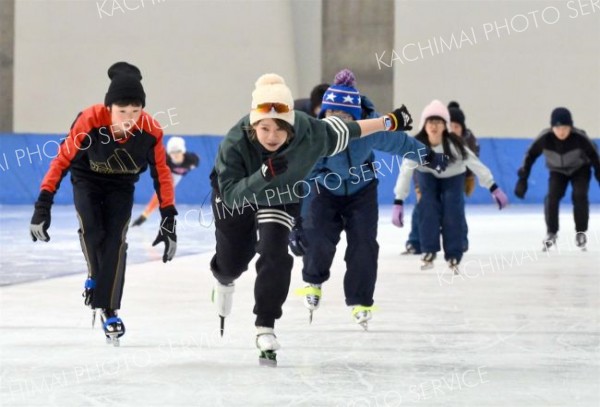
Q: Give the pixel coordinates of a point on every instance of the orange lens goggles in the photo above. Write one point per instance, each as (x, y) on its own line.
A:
(267, 107)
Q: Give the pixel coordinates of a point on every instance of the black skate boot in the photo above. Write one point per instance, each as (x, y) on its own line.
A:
(427, 260)
(410, 249)
(453, 265)
(549, 241)
(113, 326)
(581, 240)
(88, 296)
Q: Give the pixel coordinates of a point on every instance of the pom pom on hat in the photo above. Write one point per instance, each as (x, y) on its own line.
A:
(271, 88)
(176, 144)
(125, 84)
(342, 95)
(456, 114)
(561, 116)
(435, 109)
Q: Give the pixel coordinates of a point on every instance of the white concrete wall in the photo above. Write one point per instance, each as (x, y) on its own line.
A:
(508, 80)
(199, 58)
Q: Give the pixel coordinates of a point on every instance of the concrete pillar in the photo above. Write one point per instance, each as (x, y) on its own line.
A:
(353, 31)
(7, 41)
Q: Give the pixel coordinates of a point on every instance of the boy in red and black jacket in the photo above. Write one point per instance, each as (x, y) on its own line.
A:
(107, 148)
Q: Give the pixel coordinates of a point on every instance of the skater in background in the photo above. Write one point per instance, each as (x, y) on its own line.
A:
(569, 154)
(458, 127)
(312, 105)
(441, 207)
(347, 201)
(107, 148)
(257, 181)
(180, 162)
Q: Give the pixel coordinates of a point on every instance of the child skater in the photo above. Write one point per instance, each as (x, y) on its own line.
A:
(570, 154)
(258, 179)
(347, 201)
(441, 208)
(180, 162)
(107, 148)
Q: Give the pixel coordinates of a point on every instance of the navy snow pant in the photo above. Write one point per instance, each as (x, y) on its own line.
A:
(442, 211)
(325, 217)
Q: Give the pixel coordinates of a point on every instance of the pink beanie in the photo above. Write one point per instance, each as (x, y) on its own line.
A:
(435, 109)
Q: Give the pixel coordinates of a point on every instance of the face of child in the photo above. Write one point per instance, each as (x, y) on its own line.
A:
(176, 157)
(269, 135)
(347, 117)
(434, 129)
(124, 118)
(456, 129)
(561, 132)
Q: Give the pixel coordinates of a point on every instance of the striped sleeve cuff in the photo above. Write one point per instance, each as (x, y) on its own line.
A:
(341, 130)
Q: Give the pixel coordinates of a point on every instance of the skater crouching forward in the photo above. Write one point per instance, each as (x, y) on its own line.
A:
(570, 154)
(257, 180)
(107, 148)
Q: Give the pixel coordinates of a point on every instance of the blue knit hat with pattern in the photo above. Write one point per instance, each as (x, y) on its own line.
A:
(342, 95)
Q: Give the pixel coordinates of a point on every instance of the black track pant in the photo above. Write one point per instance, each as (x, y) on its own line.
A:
(557, 185)
(237, 243)
(104, 211)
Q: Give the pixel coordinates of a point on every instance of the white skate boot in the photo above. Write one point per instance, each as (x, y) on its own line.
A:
(362, 315)
(222, 297)
(453, 265)
(427, 260)
(312, 298)
(267, 343)
(581, 241)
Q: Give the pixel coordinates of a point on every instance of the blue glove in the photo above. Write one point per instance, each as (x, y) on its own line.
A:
(297, 240)
(436, 161)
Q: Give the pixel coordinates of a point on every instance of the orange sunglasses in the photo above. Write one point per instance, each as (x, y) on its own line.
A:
(267, 107)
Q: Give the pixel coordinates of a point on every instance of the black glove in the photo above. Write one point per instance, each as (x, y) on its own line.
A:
(40, 221)
(401, 120)
(436, 161)
(139, 221)
(521, 188)
(274, 165)
(297, 240)
(167, 233)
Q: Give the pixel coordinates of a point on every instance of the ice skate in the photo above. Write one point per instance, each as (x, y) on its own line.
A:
(88, 295)
(222, 297)
(362, 315)
(113, 326)
(581, 241)
(453, 265)
(312, 298)
(427, 261)
(410, 249)
(267, 344)
(549, 241)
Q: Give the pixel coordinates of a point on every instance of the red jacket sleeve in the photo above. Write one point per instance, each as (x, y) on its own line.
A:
(75, 142)
(159, 170)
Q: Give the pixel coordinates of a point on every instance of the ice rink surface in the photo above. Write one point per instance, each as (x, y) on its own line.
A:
(518, 327)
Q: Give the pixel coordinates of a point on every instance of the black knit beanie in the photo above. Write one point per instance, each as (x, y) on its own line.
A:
(561, 117)
(125, 84)
(456, 115)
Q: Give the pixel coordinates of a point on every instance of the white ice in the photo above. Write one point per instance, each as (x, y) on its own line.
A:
(518, 327)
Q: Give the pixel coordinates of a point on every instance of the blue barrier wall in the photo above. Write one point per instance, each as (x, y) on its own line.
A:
(24, 158)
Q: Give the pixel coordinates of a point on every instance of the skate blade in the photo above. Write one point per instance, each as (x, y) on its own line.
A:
(113, 339)
(454, 270)
(310, 316)
(427, 265)
(267, 358)
(93, 318)
(364, 325)
(222, 325)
